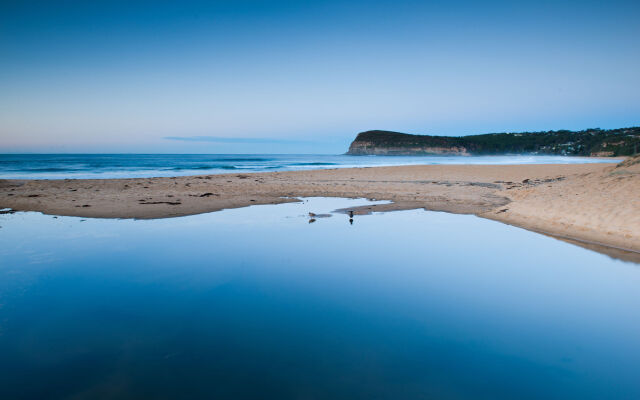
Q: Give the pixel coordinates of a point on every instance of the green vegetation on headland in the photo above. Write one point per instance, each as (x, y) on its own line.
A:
(589, 142)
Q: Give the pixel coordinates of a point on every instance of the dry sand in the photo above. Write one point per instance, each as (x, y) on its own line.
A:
(589, 203)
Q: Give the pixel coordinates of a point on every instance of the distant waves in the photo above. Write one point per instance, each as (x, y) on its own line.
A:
(96, 166)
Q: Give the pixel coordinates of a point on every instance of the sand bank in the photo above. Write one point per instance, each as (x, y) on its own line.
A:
(594, 203)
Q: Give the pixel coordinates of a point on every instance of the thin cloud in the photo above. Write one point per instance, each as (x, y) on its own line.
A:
(217, 139)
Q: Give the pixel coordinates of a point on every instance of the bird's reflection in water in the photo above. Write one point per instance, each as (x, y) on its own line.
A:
(313, 217)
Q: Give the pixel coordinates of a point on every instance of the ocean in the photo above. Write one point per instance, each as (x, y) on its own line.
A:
(101, 166)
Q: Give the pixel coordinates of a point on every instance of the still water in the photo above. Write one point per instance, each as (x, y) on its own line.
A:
(259, 303)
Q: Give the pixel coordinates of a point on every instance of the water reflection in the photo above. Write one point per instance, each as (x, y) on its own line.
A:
(255, 303)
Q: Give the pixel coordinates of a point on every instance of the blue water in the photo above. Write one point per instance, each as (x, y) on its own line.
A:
(259, 303)
(60, 166)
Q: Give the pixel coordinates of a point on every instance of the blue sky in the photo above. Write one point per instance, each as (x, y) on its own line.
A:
(305, 77)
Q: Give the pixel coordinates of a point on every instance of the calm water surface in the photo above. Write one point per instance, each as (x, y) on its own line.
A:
(259, 303)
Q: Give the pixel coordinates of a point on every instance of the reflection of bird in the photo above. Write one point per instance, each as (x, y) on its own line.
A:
(312, 220)
(312, 214)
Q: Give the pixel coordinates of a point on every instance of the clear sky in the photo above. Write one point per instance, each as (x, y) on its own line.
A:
(306, 76)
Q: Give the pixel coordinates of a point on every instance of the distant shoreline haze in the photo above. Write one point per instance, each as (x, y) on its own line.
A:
(587, 143)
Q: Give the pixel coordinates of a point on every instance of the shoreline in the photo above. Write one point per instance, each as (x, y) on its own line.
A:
(596, 203)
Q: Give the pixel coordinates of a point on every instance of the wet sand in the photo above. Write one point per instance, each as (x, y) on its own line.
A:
(595, 204)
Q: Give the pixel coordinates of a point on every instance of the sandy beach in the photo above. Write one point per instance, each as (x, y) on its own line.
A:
(593, 204)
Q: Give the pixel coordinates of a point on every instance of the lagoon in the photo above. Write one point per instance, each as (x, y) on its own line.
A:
(258, 302)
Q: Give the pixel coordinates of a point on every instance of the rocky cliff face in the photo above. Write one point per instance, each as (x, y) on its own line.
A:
(361, 148)
(398, 144)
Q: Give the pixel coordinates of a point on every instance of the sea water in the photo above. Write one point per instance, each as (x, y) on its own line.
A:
(61, 166)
